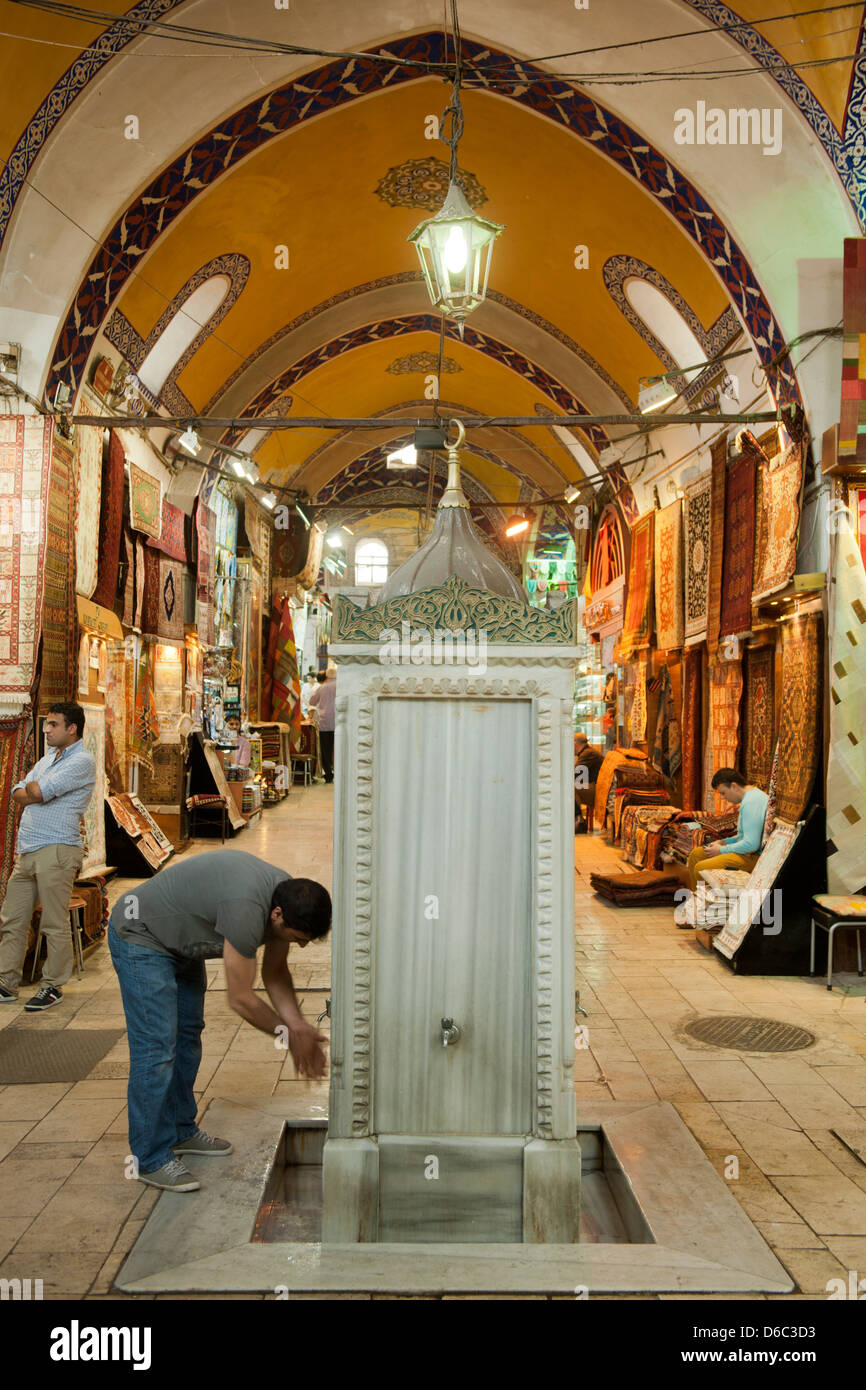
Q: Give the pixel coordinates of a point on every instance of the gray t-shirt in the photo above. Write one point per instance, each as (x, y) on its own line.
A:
(190, 908)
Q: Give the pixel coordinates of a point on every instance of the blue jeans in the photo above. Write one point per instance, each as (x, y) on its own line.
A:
(163, 999)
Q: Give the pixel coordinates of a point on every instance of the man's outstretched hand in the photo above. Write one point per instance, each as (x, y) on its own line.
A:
(307, 1055)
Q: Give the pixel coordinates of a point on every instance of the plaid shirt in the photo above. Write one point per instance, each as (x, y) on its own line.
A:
(66, 785)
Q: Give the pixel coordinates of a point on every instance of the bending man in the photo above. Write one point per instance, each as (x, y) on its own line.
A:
(223, 903)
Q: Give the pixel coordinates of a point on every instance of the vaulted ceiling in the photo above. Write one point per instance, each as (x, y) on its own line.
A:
(237, 154)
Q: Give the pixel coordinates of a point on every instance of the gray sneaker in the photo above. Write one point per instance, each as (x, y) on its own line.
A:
(7, 996)
(171, 1177)
(201, 1143)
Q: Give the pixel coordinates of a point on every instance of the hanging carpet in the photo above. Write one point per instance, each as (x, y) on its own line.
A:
(285, 685)
(697, 556)
(719, 455)
(668, 578)
(691, 727)
(781, 482)
(800, 716)
(726, 688)
(739, 553)
(638, 619)
(151, 609)
(758, 714)
(145, 501)
(172, 536)
(170, 586)
(17, 757)
(667, 745)
(57, 678)
(25, 470)
(89, 447)
(110, 522)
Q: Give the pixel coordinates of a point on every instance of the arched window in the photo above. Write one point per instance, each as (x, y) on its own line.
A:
(180, 330)
(666, 322)
(371, 563)
(607, 553)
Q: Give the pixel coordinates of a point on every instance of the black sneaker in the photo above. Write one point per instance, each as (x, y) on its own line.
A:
(48, 996)
(7, 996)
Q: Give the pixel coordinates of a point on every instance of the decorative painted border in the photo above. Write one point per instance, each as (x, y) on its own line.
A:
(405, 324)
(120, 332)
(850, 169)
(617, 269)
(408, 277)
(456, 605)
(330, 87)
(855, 127)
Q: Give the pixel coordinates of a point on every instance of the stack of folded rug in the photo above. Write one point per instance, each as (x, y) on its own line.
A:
(649, 887)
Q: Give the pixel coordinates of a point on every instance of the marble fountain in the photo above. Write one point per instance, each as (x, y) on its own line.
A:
(451, 1158)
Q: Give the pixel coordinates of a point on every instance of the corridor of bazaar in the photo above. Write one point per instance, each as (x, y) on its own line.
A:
(432, 615)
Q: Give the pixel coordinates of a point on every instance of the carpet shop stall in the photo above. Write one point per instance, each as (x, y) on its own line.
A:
(720, 663)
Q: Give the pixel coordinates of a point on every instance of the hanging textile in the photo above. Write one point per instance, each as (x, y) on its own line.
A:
(310, 573)
(726, 688)
(110, 522)
(860, 503)
(152, 606)
(172, 534)
(638, 620)
(758, 714)
(205, 525)
(668, 578)
(637, 719)
(782, 480)
(145, 501)
(285, 682)
(25, 469)
(691, 728)
(846, 768)
(119, 693)
(170, 588)
(628, 758)
(94, 816)
(739, 553)
(770, 817)
(145, 725)
(17, 757)
(89, 445)
(667, 746)
(697, 557)
(800, 716)
(57, 678)
(719, 455)
(129, 579)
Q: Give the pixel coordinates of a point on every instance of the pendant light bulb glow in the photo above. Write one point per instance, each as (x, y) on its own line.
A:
(456, 254)
(518, 523)
(190, 440)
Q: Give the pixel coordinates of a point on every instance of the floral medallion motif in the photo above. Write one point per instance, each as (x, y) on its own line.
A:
(422, 362)
(423, 183)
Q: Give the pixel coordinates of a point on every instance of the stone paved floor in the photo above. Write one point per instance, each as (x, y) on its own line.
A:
(68, 1217)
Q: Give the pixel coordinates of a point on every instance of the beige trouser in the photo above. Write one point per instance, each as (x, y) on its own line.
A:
(44, 876)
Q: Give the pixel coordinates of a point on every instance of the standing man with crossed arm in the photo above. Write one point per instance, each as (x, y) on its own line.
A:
(55, 795)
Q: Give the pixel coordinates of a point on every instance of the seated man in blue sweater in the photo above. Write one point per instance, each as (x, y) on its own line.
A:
(740, 851)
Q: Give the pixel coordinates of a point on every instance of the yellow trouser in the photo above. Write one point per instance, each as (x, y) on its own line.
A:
(46, 876)
(700, 860)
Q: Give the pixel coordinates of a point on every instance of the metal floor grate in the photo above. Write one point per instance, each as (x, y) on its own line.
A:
(60, 1054)
(745, 1033)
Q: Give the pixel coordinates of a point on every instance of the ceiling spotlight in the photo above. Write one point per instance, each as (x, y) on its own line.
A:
(518, 523)
(334, 539)
(653, 393)
(269, 500)
(571, 493)
(238, 467)
(407, 457)
(190, 440)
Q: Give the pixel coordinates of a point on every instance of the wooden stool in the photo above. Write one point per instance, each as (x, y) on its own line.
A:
(193, 810)
(832, 912)
(76, 923)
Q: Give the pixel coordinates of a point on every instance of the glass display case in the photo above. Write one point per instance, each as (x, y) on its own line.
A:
(589, 679)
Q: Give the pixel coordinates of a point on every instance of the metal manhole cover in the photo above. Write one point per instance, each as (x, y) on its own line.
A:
(748, 1034)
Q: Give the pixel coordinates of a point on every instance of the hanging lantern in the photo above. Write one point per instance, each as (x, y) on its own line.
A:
(455, 245)
(454, 249)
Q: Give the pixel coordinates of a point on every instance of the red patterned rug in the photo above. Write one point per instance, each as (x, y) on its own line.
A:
(800, 719)
(172, 536)
(150, 614)
(110, 523)
(691, 727)
(758, 715)
(59, 650)
(739, 553)
(781, 481)
(16, 759)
